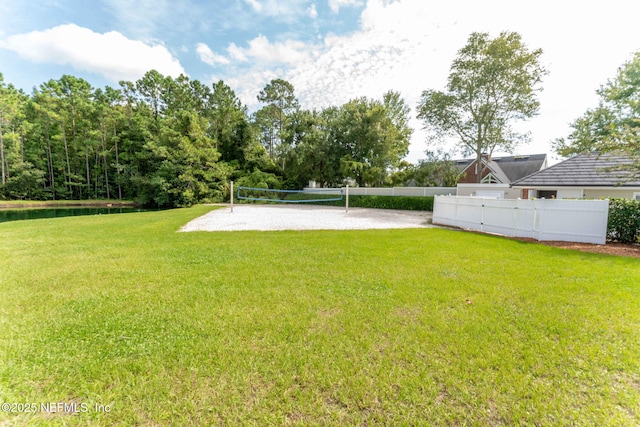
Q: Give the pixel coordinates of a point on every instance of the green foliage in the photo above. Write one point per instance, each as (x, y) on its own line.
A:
(374, 137)
(493, 83)
(168, 142)
(624, 221)
(615, 124)
(437, 170)
(24, 182)
(408, 203)
(274, 118)
(392, 202)
(260, 179)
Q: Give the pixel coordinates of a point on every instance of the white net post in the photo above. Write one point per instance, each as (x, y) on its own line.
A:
(346, 199)
(231, 196)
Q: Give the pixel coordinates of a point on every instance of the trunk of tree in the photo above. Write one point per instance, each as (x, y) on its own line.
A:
(118, 165)
(86, 162)
(97, 160)
(106, 163)
(66, 153)
(22, 148)
(2, 162)
(52, 180)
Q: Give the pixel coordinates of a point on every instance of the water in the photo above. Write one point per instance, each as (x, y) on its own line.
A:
(38, 213)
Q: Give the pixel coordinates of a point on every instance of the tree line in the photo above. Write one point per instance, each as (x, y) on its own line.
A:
(166, 141)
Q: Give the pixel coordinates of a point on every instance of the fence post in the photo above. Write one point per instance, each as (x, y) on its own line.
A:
(231, 196)
(346, 200)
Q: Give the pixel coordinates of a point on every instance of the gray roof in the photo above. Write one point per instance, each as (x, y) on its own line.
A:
(497, 172)
(584, 170)
(513, 167)
(516, 167)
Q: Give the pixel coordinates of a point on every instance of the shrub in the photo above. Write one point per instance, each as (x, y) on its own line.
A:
(406, 203)
(624, 221)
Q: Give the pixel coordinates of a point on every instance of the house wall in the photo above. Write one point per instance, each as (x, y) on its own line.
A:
(614, 193)
(570, 193)
(585, 193)
(470, 175)
(473, 190)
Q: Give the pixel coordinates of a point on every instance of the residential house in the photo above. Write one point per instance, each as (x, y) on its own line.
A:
(585, 176)
(497, 174)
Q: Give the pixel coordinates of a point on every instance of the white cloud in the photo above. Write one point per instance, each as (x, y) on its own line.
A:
(277, 7)
(312, 11)
(142, 17)
(207, 56)
(255, 4)
(261, 50)
(111, 54)
(237, 53)
(335, 5)
(404, 45)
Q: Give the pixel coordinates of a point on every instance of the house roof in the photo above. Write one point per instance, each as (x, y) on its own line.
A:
(517, 167)
(584, 170)
(510, 167)
(497, 171)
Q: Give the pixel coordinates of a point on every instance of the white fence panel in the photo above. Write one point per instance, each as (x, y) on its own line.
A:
(572, 220)
(469, 212)
(566, 220)
(403, 191)
(444, 212)
(524, 218)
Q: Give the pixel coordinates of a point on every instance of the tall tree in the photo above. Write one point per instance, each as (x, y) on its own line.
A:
(274, 117)
(316, 156)
(153, 89)
(615, 124)
(375, 137)
(229, 124)
(492, 84)
(11, 103)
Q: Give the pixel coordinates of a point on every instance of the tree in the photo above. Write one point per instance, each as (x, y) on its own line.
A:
(374, 136)
(230, 128)
(317, 154)
(273, 118)
(437, 170)
(11, 104)
(492, 84)
(615, 124)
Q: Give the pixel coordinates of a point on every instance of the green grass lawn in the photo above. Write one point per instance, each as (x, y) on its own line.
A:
(393, 327)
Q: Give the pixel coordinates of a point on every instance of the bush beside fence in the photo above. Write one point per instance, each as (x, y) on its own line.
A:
(624, 221)
(406, 203)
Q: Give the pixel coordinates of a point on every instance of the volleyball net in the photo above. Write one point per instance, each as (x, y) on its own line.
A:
(311, 195)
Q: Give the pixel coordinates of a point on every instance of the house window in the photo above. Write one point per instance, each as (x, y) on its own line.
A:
(547, 194)
(490, 179)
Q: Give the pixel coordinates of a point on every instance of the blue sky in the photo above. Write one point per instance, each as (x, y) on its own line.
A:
(330, 50)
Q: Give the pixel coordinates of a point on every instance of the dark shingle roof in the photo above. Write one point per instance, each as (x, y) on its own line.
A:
(584, 170)
(514, 167)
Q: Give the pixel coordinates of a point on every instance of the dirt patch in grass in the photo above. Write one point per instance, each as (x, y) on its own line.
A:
(618, 249)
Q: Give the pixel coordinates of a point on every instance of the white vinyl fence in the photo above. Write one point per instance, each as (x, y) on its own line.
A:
(542, 219)
(399, 191)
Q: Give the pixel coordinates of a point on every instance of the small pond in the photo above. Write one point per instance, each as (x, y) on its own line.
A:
(56, 212)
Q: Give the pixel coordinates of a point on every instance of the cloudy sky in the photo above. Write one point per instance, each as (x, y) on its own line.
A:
(330, 50)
